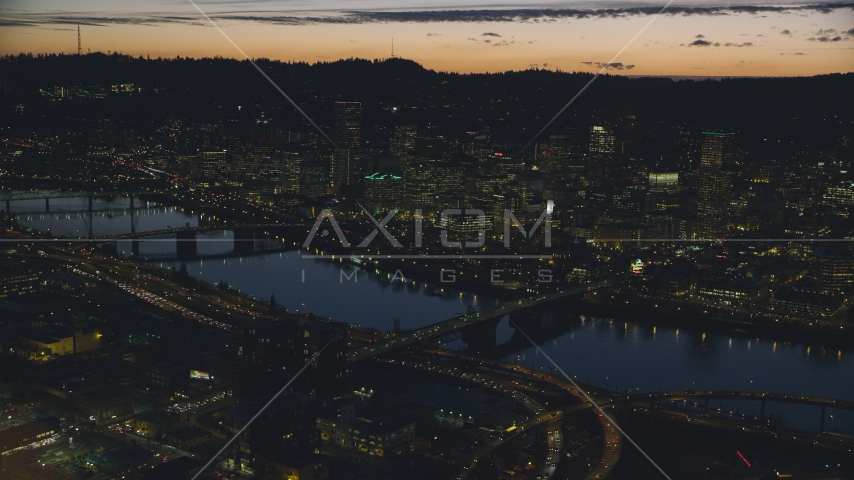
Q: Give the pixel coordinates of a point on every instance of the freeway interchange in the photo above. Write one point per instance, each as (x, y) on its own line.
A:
(224, 310)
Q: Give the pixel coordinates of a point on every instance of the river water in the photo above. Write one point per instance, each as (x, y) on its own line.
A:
(618, 353)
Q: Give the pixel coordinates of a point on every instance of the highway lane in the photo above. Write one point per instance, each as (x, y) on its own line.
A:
(221, 309)
(508, 387)
(554, 437)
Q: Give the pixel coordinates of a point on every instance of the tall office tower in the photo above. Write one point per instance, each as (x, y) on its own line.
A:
(600, 154)
(312, 179)
(419, 186)
(243, 166)
(210, 166)
(713, 192)
(383, 192)
(348, 124)
(340, 169)
(449, 177)
(291, 171)
(402, 142)
(347, 135)
(552, 154)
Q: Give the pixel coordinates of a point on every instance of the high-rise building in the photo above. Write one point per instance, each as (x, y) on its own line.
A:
(383, 192)
(600, 154)
(348, 124)
(419, 186)
(402, 142)
(663, 182)
(291, 172)
(312, 178)
(347, 135)
(552, 154)
(340, 168)
(713, 189)
(832, 269)
(210, 166)
(449, 177)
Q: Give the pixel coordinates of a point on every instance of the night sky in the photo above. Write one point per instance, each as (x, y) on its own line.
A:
(692, 38)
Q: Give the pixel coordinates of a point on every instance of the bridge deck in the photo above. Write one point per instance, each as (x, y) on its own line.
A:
(449, 326)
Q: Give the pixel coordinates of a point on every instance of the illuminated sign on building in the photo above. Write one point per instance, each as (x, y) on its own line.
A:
(200, 375)
(637, 266)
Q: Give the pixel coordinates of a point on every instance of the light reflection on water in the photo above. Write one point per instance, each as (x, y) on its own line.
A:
(619, 352)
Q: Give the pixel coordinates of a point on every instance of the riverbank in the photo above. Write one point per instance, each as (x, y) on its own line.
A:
(831, 335)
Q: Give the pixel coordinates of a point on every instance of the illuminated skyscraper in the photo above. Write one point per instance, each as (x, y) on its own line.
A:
(348, 124)
(419, 186)
(552, 154)
(347, 135)
(663, 182)
(312, 178)
(601, 154)
(713, 192)
(402, 143)
(383, 192)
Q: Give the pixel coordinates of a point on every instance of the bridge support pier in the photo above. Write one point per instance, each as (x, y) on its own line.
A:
(821, 423)
(47, 204)
(132, 222)
(8, 209)
(185, 244)
(134, 247)
(480, 337)
(244, 241)
(91, 201)
(762, 412)
(706, 407)
(530, 321)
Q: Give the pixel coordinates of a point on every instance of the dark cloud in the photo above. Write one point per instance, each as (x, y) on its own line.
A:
(745, 44)
(700, 35)
(785, 32)
(4, 22)
(425, 16)
(489, 34)
(849, 32)
(610, 66)
(37, 20)
(434, 34)
(826, 31)
(825, 38)
(700, 43)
